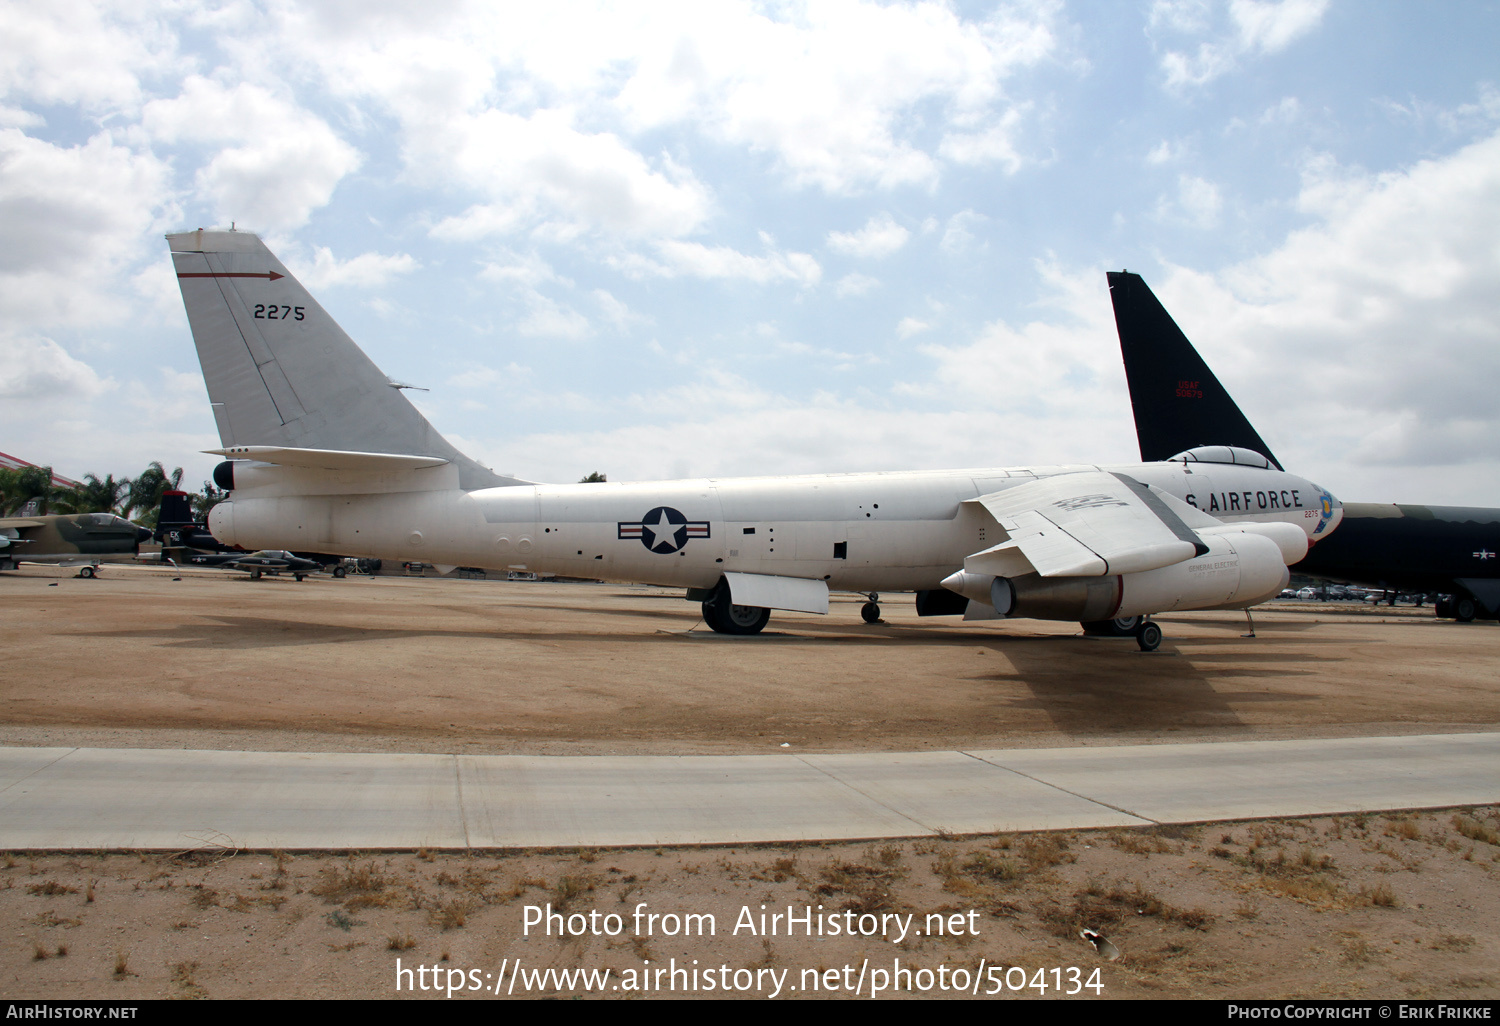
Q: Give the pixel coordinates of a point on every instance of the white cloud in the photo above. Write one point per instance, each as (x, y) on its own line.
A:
(1164, 153)
(995, 144)
(285, 165)
(855, 284)
(523, 268)
(616, 312)
(482, 376)
(547, 318)
(829, 91)
(1064, 360)
(39, 368)
(1199, 201)
(542, 171)
(1254, 27)
(70, 218)
(175, 395)
(959, 235)
(92, 55)
(910, 326)
(880, 237)
(699, 261)
(1384, 308)
(1270, 26)
(366, 271)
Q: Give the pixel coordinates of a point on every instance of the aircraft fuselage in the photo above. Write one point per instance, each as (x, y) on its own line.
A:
(902, 531)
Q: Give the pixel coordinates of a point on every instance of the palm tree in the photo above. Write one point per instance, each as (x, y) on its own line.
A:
(20, 486)
(92, 496)
(146, 491)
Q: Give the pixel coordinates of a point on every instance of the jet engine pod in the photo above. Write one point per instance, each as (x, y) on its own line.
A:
(224, 475)
(1040, 598)
(221, 522)
(1239, 569)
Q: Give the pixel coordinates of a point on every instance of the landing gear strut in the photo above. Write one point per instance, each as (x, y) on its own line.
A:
(870, 611)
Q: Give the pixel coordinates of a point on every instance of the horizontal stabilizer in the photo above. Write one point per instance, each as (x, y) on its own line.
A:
(1087, 525)
(328, 459)
(768, 592)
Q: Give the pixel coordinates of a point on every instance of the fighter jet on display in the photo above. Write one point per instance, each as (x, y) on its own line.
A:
(267, 562)
(324, 452)
(78, 539)
(187, 541)
(1179, 403)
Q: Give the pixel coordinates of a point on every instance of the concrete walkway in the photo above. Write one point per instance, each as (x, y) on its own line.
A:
(93, 798)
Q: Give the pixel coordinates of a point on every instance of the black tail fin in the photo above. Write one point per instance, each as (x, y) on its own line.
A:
(176, 509)
(176, 527)
(1178, 402)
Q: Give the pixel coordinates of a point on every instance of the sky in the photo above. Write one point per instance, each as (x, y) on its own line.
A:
(714, 239)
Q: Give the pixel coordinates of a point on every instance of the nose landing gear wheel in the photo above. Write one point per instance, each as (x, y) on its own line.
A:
(1148, 636)
(870, 612)
(88, 572)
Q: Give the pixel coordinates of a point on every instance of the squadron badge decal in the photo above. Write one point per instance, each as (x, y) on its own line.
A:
(663, 530)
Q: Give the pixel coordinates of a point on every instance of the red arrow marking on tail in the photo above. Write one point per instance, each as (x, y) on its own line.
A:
(268, 275)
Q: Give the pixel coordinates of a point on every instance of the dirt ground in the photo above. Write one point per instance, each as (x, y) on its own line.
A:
(1397, 905)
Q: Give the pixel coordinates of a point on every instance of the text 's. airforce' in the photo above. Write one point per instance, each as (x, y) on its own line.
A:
(324, 453)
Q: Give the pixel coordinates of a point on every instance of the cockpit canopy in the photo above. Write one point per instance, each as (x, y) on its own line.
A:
(105, 520)
(1224, 454)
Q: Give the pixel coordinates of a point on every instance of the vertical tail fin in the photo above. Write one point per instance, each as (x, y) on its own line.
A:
(1178, 403)
(176, 510)
(279, 369)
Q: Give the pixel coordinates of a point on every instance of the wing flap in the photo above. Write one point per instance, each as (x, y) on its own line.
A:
(1086, 525)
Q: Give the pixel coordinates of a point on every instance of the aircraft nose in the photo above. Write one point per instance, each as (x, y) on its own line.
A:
(142, 534)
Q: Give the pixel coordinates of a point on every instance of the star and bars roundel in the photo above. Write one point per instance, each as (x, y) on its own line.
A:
(663, 530)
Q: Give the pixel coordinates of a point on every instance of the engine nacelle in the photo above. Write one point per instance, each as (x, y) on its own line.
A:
(1238, 570)
(221, 523)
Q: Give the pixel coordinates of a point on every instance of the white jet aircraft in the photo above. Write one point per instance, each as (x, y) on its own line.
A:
(324, 453)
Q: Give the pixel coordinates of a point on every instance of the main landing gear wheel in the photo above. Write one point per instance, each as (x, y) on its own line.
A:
(1465, 609)
(88, 572)
(1148, 636)
(340, 571)
(299, 576)
(1119, 627)
(255, 575)
(724, 617)
(870, 611)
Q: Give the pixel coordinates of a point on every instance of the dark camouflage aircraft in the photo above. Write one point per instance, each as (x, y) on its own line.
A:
(78, 539)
